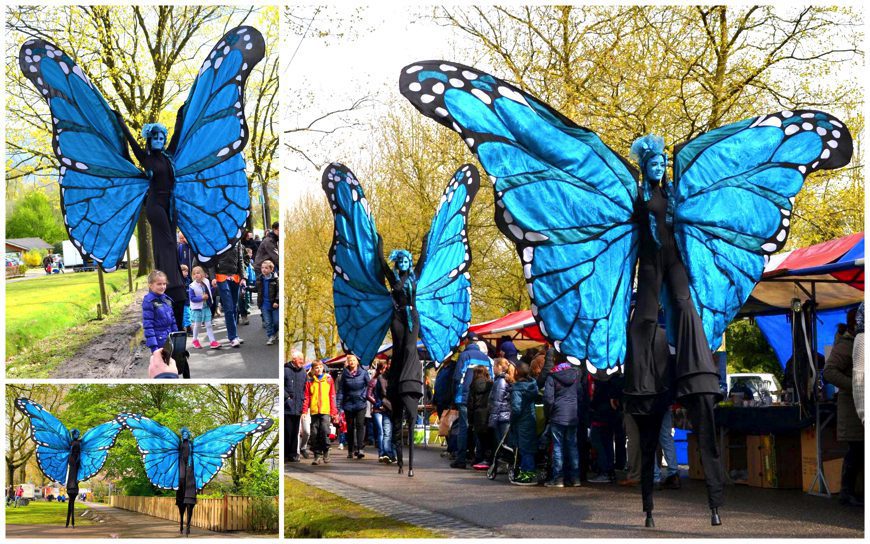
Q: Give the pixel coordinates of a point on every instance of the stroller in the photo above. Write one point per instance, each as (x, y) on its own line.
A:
(506, 458)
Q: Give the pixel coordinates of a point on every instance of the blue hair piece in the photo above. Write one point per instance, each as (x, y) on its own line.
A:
(150, 129)
(396, 253)
(647, 147)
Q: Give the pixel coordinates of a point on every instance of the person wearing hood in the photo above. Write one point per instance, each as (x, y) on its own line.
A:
(472, 356)
(561, 393)
(524, 424)
(478, 409)
(507, 349)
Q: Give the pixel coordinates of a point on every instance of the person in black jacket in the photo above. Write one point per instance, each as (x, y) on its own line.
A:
(268, 248)
(294, 396)
(561, 393)
(228, 277)
(478, 411)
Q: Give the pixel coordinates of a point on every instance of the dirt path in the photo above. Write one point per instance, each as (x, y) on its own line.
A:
(113, 353)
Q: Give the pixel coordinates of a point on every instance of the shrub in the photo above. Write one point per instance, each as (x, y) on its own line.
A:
(263, 513)
(33, 258)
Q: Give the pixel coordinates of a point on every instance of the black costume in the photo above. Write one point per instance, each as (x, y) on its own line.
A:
(654, 378)
(161, 216)
(405, 377)
(185, 495)
(72, 482)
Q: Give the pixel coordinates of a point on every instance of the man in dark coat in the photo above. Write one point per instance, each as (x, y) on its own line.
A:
(294, 396)
(268, 248)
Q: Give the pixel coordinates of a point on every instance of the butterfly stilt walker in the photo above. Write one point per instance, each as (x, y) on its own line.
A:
(430, 300)
(186, 463)
(64, 456)
(196, 182)
(584, 228)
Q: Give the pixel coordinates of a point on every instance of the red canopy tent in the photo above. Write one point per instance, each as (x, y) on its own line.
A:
(520, 326)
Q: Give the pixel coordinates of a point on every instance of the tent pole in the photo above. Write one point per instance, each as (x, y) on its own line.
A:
(824, 489)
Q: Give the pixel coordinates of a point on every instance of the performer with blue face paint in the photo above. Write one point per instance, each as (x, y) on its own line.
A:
(185, 495)
(156, 159)
(654, 379)
(405, 377)
(72, 481)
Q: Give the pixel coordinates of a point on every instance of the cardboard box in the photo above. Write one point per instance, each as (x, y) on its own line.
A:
(832, 470)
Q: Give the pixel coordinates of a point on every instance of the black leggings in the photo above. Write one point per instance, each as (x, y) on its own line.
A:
(356, 430)
(71, 510)
(700, 408)
(181, 509)
(853, 463)
(404, 408)
(291, 435)
(165, 244)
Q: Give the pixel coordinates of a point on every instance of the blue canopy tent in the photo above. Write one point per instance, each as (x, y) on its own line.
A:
(831, 274)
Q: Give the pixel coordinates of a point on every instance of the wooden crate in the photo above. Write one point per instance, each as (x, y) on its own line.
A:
(772, 461)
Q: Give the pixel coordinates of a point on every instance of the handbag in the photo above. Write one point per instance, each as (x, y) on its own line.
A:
(446, 422)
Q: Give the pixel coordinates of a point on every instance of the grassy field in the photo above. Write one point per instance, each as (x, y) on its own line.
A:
(43, 513)
(41, 312)
(313, 513)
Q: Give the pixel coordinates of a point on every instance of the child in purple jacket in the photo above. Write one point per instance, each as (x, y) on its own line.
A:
(157, 317)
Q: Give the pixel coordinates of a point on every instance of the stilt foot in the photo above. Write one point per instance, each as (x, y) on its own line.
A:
(649, 520)
(714, 517)
(410, 473)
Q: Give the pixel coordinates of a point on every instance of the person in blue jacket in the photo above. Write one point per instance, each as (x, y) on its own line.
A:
(158, 319)
(351, 398)
(462, 377)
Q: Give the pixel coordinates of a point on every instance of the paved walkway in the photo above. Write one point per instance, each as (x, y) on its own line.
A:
(112, 523)
(402, 511)
(465, 498)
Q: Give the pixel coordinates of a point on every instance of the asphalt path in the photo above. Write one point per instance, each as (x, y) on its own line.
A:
(252, 360)
(112, 523)
(591, 511)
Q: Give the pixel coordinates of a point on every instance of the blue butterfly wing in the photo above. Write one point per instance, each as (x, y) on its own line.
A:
(53, 440)
(363, 307)
(95, 448)
(158, 446)
(101, 190)
(212, 206)
(735, 188)
(212, 447)
(211, 191)
(444, 287)
(214, 127)
(562, 197)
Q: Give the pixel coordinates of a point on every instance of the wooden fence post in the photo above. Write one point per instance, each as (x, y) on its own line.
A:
(225, 514)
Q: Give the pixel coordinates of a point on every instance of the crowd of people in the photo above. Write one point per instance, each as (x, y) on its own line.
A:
(222, 287)
(486, 401)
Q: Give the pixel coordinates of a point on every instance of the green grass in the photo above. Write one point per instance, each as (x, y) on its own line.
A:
(44, 513)
(310, 512)
(48, 318)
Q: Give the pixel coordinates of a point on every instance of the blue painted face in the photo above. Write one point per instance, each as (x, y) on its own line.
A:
(403, 263)
(185, 434)
(655, 168)
(158, 141)
(75, 434)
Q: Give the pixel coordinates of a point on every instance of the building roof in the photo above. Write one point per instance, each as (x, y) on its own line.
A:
(29, 243)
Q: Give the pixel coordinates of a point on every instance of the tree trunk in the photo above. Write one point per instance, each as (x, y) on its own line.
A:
(267, 211)
(146, 256)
